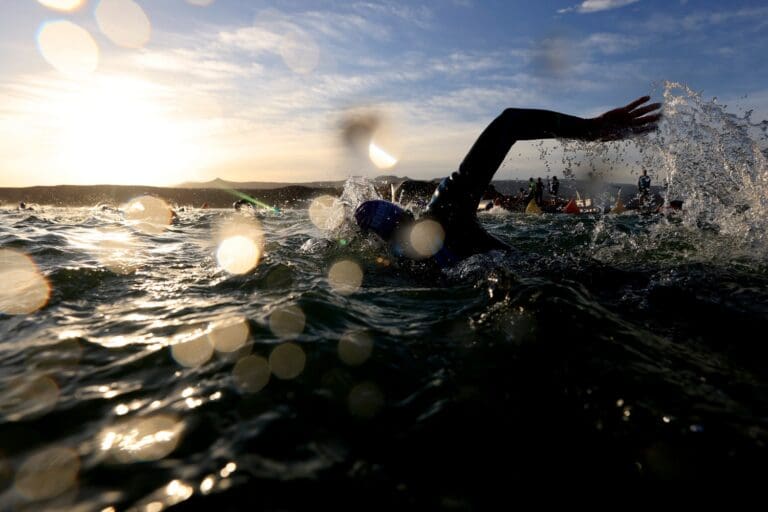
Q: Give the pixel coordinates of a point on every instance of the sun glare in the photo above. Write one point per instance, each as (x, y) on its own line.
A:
(62, 5)
(380, 158)
(69, 48)
(124, 22)
(117, 130)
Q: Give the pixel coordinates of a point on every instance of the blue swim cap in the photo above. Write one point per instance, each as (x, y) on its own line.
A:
(381, 217)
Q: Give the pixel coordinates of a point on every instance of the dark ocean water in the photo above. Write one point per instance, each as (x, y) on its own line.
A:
(619, 347)
(252, 360)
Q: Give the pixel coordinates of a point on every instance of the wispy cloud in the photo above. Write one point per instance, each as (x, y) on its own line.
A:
(755, 17)
(589, 6)
(463, 62)
(609, 43)
(703, 20)
(181, 61)
(420, 16)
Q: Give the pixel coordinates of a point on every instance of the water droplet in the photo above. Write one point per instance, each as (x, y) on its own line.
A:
(355, 347)
(24, 290)
(345, 277)
(251, 373)
(287, 361)
(69, 48)
(124, 22)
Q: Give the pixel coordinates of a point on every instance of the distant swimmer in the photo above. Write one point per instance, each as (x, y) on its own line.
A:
(453, 206)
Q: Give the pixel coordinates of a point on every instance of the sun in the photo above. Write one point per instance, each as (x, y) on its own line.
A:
(122, 130)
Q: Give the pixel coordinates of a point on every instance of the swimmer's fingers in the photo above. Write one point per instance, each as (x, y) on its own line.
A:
(625, 121)
(646, 109)
(633, 105)
(654, 119)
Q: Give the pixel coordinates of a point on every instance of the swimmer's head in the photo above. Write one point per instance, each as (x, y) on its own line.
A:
(381, 217)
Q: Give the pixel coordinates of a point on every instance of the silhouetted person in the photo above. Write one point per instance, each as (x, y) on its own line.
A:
(531, 189)
(539, 191)
(554, 187)
(454, 204)
(644, 184)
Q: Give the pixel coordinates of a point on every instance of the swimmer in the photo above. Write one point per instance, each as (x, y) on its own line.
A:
(455, 201)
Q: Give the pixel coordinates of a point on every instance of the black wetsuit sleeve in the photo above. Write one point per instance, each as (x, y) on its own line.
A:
(454, 203)
(461, 192)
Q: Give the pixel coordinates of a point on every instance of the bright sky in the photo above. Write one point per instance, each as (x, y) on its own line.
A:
(164, 91)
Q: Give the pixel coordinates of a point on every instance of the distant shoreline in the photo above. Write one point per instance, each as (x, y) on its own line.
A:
(279, 195)
(116, 195)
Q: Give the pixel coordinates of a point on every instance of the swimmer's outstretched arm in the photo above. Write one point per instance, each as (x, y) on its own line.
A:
(513, 124)
(619, 123)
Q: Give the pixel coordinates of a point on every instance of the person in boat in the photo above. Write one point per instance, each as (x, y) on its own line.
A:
(644, 185)
(554, 187)
(539, 191)
(531, 189)
(453, 207)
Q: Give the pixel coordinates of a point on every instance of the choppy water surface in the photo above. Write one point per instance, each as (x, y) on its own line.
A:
(233, 359)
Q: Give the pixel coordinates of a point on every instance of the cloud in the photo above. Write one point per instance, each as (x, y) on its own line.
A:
(702, 20)
(421, 16)
(201, 65)
(610, 44)
(589, 6)
(462, 62)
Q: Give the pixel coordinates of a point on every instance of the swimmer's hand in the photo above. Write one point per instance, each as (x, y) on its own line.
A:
(621, 123)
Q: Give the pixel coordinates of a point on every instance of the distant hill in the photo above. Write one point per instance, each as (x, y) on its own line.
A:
(115, 195)
(265, 185)
(256, 185)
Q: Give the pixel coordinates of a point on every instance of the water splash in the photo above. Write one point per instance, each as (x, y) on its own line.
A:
(358, 189)
(710, 158)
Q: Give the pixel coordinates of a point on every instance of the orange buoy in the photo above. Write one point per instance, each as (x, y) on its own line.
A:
(571, 207)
